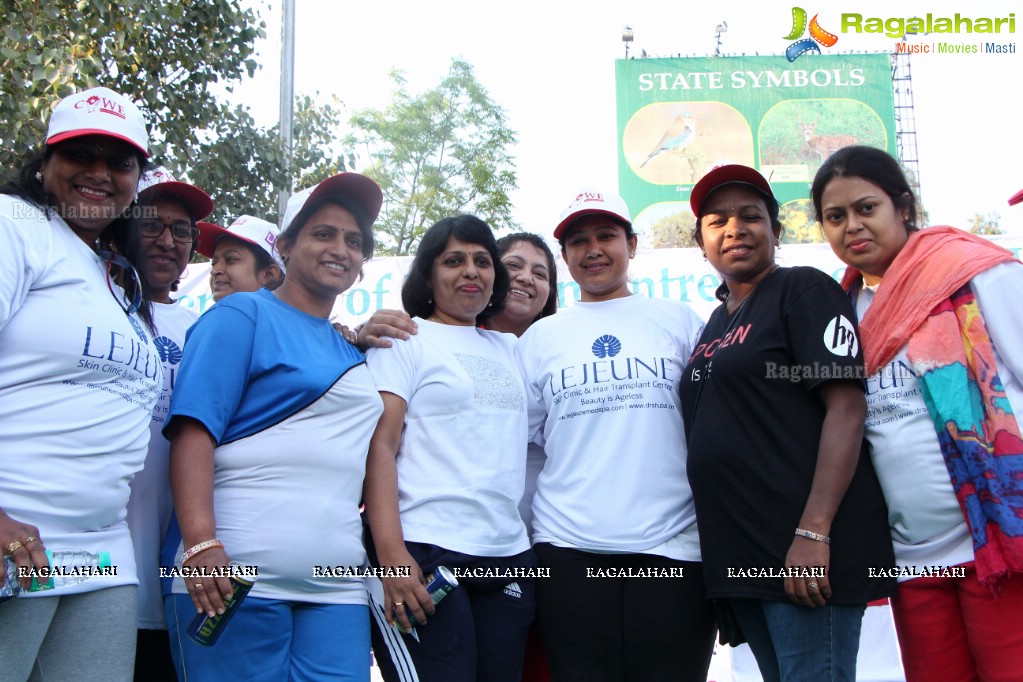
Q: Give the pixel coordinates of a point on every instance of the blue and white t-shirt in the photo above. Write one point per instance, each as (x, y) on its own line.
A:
(292, 408)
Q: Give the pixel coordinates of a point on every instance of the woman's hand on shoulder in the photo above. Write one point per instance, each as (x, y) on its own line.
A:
(383, 326)
(349, 335)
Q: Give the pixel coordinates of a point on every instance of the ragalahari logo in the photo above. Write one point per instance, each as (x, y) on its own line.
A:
(818, 36)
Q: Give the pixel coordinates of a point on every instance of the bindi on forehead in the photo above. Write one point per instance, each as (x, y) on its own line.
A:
(733, 208)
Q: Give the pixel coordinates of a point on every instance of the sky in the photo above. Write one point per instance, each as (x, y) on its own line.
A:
(551, 66)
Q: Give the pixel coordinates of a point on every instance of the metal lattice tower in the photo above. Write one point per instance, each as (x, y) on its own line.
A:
(905, 119)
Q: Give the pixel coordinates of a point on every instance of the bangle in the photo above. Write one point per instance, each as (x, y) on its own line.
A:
(201, 547)
(813, 536)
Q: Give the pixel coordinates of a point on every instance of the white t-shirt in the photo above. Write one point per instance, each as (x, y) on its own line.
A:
(462, 458)
(602, 381)
(78, 381)
(150, 505)
(928, 528)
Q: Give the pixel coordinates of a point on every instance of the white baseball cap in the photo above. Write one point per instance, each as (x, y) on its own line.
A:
(246, 228)
(99, 111)
(159, 180)
(592, 201)
(357, 187)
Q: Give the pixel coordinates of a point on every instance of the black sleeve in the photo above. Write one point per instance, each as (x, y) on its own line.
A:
(822, 332)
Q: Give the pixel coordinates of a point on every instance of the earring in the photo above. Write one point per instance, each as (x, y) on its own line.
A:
(39, 176)
(429, 301)
(490, 303)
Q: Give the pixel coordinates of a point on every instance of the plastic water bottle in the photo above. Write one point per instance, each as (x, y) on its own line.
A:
(67, 567)
(11, 587)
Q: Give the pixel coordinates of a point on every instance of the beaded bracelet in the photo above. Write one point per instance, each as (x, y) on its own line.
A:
(201, 547)
(813, 536)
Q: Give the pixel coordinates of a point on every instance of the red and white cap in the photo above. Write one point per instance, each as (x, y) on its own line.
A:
(159, 181)
(591, 201)
(99, 111)
(246, 228)
(357, 187)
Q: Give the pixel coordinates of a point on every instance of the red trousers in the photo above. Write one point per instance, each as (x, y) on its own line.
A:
(956, 630)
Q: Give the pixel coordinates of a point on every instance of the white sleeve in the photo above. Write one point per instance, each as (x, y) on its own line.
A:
(21, 265)
(536, 409)
(394, 369)
(696, 325)
(998, 292)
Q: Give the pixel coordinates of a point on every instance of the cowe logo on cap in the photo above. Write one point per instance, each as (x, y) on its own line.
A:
(589, 196)
(102, 104)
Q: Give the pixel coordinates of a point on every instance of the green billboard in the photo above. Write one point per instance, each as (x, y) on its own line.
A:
(679, 118)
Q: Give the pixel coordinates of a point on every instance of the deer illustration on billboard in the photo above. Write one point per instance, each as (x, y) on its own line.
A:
(824, 145)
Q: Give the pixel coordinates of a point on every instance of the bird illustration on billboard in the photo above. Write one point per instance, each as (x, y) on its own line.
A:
(679, 135)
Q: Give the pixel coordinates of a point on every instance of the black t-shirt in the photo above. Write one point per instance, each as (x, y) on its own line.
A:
(753, 421)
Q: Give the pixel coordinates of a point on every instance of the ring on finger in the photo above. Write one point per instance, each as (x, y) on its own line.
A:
(30, 539)
(198, 586)
(11, 548)
(811, 586)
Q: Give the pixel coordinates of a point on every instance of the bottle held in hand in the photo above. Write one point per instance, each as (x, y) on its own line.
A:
(206, 630)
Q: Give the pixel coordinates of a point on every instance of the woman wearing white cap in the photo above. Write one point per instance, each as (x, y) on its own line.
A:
(613, 515)
(79, 376)
(167, 227)
(242, 257)
(270, 424)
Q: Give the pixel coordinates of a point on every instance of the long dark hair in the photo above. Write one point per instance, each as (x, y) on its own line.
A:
(121, 235)
(508, 242)
(417, 291)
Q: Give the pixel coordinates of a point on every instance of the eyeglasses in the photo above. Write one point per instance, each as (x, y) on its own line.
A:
(131, 305)
(185, 233)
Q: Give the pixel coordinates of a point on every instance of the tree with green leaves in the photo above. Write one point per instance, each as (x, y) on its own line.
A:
(167, 56)
(437, 154)
(246, 163)
(171, 58)
(985, 225)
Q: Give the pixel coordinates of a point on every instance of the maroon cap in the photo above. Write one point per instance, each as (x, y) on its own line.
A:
(726, 175)
(159, 180)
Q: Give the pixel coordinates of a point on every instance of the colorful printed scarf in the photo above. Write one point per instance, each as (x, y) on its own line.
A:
(951, 353)
(977, 430)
